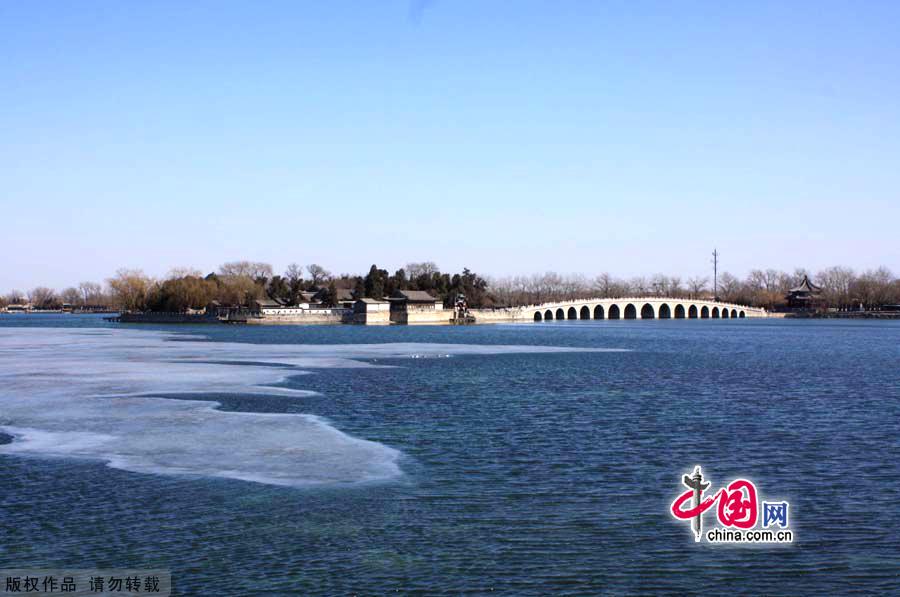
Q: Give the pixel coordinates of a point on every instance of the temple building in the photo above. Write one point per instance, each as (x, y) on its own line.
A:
(417, 306)
(371, 311)
(805, 297)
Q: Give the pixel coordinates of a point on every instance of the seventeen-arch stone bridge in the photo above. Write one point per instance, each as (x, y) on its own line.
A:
(621, 308)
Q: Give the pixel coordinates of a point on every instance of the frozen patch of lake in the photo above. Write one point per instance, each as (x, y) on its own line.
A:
(89, 393)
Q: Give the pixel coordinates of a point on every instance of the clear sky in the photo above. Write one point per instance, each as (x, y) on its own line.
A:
(511, 137)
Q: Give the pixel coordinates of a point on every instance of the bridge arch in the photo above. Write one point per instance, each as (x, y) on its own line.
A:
(638, 308)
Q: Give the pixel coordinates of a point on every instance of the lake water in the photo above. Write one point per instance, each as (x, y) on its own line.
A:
(514, 459)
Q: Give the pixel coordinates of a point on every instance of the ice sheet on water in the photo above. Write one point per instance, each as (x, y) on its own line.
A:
(91, 394)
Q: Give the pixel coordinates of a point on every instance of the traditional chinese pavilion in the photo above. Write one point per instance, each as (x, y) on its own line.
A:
(805, 296)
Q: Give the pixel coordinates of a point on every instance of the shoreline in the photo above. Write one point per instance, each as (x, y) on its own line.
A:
(479, 318)
(846, 315)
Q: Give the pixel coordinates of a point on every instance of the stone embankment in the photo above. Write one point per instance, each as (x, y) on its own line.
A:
(311, 316)
(163, 317)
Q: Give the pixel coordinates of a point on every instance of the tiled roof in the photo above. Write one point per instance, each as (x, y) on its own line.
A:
(416, 296)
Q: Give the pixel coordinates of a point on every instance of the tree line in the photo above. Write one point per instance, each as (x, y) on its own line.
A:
(85, 294)
(841, 287)
(239, 283)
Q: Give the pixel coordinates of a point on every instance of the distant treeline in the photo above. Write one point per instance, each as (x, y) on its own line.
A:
(242, 282)
(841, 288)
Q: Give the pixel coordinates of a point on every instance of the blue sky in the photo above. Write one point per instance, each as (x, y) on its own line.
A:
(628, 137)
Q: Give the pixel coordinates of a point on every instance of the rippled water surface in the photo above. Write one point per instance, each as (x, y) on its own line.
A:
(518, 459)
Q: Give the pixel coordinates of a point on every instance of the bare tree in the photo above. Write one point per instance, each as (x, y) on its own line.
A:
(729, 287)
(756, 279)
(425, 268)
(183, 272)
(71, 296)
(604, 284)
(293, 274)
(675, 289)
(875, 287)
(551, 286)
(659, 285)
(639, 286)
(317, 273)
(293, 278)
(574, 286)
(42, 297)
(770, 280)
(697, 285)
(836, 283)
(767, 287)
(254, 270)
(15, 297)
(91, 293)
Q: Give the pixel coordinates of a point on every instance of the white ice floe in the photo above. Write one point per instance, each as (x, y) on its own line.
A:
(90, 393)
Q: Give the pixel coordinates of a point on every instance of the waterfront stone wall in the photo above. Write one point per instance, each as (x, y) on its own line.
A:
(305, 316)
(163, 317)
(373, 318)
(422, 317)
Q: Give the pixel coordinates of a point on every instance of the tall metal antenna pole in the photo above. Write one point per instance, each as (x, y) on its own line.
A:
(715, 261)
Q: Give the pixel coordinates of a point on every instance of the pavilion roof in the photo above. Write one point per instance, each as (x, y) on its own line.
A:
(806, 286)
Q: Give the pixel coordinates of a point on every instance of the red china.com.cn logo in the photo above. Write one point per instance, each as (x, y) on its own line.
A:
(737, 510)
